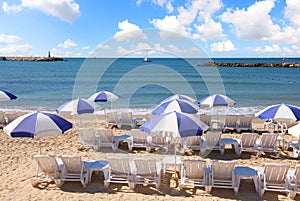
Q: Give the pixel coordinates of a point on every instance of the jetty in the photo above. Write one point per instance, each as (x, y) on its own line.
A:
(42, 59)
(238, 64)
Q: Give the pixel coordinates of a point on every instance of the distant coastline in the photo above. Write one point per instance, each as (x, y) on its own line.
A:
(40, 59)
(239, 64)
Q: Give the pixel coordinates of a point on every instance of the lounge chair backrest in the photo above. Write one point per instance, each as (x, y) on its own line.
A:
(73, 164)
(231, 120)
(206, 119)
(157, 139)
(87, 135)
(223, 169)
(2, 119)
(212, 138)
(47, 164)
(245, 122)
(112, 117)
(145, 166)
(248, 139)
(105, 135)
(275, 173)
(139, 136)
(193, 141)
(119, 165)
(194, 168)
(268, 140)
(126, 117)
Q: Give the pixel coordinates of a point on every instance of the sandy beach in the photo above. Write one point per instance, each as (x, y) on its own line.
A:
(18, 168)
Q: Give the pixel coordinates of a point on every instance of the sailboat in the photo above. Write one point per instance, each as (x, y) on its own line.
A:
(146, 58)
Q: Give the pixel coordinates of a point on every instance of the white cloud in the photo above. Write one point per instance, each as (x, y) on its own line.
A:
(9, 39)
(11, 8)
(129, 31)
(288, 51)
(253, 23)
(292, 11)
(268, 49)
(224, 46)
(65, 10)
(209, 30)
(16, 50)
(67, 44)
(162, 3)
(101, 46)
(85, 47)
(169, 26)
(122, 51)
(61, 53)
(196, 10)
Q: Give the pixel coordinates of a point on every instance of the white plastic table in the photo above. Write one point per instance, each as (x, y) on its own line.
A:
(122, 138)
(96, 165)
(234, 142)
(245, 172)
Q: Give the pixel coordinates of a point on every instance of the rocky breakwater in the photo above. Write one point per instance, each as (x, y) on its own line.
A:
(42, 59)
(275, 65)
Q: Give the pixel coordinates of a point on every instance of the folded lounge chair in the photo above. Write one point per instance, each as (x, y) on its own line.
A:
(193, 173)
(48, 170)
(74, 170)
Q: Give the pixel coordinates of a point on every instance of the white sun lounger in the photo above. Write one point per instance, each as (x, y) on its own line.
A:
(211, 142)
(48, 170)
(88, 137)
(193, 173)
(126, 119)
(248, 142)
(268, 143)
(147, 171)
(295, 182)
(106, 138)
(74, 170)
(112, 119)
(139, 139)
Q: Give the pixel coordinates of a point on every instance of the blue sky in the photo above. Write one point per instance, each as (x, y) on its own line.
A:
(82, 28)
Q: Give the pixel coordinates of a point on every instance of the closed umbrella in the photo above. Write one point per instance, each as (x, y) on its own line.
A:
(40, 124)
(6, 96)
(175, 105)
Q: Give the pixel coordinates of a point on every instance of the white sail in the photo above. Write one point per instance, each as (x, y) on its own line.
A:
(146, 57)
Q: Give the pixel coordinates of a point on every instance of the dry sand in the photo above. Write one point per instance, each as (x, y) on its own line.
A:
(18, 167)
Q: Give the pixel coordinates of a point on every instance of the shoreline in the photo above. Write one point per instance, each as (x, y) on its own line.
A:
(255, 65)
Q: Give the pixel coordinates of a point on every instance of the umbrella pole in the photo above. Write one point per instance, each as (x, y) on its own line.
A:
(40, 146)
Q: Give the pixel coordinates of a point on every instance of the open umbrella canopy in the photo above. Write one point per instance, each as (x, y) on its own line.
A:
(216, 100)
(103, 96)
(179, 97)
(175, 124)
(77, 106)
(281, 112)
(175, 105)
(37, 123)
(6, 96)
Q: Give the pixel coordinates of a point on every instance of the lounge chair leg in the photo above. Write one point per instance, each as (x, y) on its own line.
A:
(34, 182)
(208, 189)
(106, 184)
(131, 185)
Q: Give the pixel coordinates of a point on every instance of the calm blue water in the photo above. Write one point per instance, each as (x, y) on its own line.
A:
(47, 85)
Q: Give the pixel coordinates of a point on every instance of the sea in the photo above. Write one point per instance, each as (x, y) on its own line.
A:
(44, 86)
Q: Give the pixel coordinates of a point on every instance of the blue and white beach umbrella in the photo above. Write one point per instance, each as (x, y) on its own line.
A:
(175, 124)
(103, 96)
(40, 124)
(6, 96)
(179, 97)
(177, 106)
(77, 106)
(216, 100)
(281, 112)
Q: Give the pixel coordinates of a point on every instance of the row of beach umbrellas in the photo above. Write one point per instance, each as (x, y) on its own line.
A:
(174, 116)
